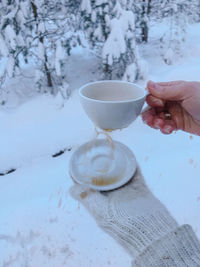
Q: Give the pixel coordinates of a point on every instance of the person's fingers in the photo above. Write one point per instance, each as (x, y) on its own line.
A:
(170, 118)
(170, 83)
(176, 91)
(162, 115)
(158, 120)
(148, 116)
(178, 115)
(154, 118)
(158, 123)
(168, 127)
(154, 101)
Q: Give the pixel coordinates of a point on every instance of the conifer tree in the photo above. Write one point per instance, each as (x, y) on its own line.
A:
(110, 27)
(173, 40)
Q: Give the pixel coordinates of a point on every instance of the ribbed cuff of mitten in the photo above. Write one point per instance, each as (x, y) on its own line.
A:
(179, 248)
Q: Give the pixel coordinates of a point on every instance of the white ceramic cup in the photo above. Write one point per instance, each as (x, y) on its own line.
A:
(112, 105)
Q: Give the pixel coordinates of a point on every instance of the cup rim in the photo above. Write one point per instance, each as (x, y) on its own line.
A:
(110, 101)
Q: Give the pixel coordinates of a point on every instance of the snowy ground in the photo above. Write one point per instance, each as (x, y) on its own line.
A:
(40, 224)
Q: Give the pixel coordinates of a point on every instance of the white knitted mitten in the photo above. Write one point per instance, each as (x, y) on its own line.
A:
(180, 248)
(131, 214)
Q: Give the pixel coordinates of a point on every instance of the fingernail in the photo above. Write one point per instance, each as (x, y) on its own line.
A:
(167, 129)
(158, 102)
(158, 123)
(152, 84)
(147, 119)
(144, 117)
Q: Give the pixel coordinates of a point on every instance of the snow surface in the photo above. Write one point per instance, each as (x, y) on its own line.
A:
(40, 224)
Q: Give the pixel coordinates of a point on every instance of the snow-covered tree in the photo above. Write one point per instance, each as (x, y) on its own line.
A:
(144, 22)
(95, 18)
(54, 39)
(41, 33)
(142, 12)
(11, 35)
(172, 41)
(174, 13)
(192, 10)
(110, 27)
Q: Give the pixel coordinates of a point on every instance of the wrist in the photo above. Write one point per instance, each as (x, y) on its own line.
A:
(178, 248)
(136, 234)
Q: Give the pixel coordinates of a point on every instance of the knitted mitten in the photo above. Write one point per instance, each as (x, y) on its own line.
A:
(132, 215)
(180, 248)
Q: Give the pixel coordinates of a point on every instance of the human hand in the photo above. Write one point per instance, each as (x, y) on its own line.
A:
(131, 214)
(180, 99)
